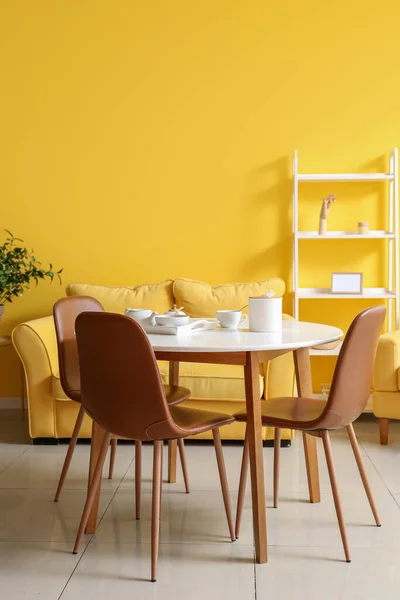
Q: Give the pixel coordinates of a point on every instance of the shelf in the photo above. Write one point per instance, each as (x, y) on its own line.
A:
(345, 235)
(389, 294)
(345, 177)
(334, 352)
(377, 293)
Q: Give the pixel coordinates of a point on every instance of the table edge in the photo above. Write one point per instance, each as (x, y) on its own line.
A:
(230, 350)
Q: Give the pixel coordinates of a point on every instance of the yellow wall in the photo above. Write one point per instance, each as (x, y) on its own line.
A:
(146, 140)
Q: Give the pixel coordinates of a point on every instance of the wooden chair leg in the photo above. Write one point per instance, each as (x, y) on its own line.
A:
(161, 476)
(335, 491)
(384, 431)
(363, 474)
(182, 456)
(224, 482)
(94, 485)
(242, 485)
(113, 451)
(156, 506)
(70, 451)
(277, 451)
(138, 476)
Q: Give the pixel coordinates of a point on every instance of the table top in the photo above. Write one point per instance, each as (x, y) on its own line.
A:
(294, 334)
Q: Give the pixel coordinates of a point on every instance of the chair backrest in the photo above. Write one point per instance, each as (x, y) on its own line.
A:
(65, 312)
(121, 383)
(352, 381)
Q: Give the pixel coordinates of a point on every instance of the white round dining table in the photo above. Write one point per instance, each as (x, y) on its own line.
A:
(294, 334)
(249, 349)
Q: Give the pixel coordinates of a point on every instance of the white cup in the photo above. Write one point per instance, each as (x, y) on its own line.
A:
(143, 316)
(230, 319)
(265, 314)
(138, 314)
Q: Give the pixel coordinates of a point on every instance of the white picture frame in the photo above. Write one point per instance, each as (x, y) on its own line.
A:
(347, 283)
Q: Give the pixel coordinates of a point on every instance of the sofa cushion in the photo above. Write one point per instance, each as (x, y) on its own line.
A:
(202, 300)
(206, 382)
(157, 296)
(211, 382)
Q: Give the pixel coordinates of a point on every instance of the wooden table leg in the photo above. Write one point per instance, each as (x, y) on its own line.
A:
(97, 439)
(304, 388)
(172, 444)
(254, 429)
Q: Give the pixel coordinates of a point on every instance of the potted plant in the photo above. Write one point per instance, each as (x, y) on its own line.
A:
(18, 269)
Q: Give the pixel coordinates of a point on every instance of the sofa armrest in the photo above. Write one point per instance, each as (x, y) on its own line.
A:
(36, 344)
(387, 363)
(279, 375)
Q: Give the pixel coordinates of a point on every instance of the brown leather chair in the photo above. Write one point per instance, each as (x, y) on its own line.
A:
(65, 312)
(123, 392)
(348, 397)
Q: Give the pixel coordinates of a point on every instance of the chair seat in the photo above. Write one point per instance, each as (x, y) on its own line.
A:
(194, 421)
(293, 413)
(176, 394)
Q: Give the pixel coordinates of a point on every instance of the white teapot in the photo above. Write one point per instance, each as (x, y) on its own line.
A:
(143, 316)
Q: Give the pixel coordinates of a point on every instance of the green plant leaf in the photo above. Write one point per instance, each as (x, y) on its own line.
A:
(19, 268)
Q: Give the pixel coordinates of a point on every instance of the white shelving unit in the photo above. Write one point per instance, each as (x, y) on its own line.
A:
(390, 293)
(347, 235)
(375, 293)
(345, 176)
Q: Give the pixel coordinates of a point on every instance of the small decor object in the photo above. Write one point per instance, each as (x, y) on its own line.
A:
(363, 228)
(347, 283)
(18, 268)
(323, 216)
(265, 313)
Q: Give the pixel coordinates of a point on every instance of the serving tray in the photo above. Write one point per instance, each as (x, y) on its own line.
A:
(194, 326)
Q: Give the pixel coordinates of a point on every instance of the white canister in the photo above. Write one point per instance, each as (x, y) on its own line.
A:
(265, 314)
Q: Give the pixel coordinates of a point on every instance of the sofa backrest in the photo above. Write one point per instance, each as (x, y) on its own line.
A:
(198, 299)
(202, 300)
(157, 296)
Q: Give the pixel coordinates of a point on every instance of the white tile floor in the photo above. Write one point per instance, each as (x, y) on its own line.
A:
(197, 560)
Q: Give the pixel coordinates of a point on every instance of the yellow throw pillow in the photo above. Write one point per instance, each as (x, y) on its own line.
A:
(202, 300)
(157, 296)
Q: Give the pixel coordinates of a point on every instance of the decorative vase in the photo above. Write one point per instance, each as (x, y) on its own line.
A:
(363, 228)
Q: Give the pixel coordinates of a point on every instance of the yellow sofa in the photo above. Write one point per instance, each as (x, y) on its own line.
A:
(386, 386)
(221, 387)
